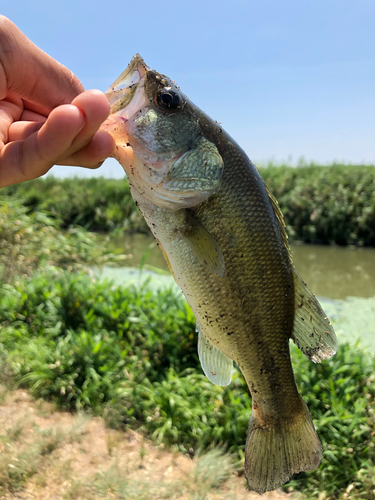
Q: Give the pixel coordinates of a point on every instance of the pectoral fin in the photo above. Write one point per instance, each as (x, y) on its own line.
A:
(203, 245)
(313, 332)
(216, 366)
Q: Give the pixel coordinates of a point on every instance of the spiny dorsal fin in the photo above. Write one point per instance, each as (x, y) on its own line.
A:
(313, 332)
(280, 220)
(216, 366)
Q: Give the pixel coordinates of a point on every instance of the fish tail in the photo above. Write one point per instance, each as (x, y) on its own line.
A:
(278, 448)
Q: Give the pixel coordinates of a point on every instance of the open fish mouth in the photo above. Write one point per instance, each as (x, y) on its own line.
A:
(126, 91)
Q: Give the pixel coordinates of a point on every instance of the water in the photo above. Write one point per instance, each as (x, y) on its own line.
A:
(330, 271)
(336, 272)
(343, 279)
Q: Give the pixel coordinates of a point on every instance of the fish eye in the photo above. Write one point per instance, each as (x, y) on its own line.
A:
(168, 99)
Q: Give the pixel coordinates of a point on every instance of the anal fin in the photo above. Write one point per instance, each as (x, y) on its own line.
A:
(216, 365)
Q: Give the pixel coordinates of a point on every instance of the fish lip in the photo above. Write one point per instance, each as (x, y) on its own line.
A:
(122, 90)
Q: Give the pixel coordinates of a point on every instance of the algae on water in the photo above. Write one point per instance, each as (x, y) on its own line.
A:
(354, 320)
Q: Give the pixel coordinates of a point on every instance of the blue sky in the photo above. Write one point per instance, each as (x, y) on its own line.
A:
(287, 78)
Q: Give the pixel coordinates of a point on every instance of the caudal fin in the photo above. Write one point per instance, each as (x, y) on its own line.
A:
(275, 452)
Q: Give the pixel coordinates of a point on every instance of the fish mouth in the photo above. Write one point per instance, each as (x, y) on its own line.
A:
(121, 93)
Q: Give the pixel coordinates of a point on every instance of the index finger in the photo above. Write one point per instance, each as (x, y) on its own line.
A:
(31, 73)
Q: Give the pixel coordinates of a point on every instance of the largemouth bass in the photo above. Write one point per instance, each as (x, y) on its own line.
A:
(223, 237)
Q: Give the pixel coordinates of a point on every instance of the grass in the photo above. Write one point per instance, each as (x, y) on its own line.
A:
(26, 448)
(97, 204)
(210, 471)
(332, 204)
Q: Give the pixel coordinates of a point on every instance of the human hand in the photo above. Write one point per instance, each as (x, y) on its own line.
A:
(46, 118)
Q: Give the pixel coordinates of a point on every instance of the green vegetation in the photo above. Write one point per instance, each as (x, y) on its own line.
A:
(321, 204)
(28, 242)
(97, 204)
(130, 355)
(333, 204)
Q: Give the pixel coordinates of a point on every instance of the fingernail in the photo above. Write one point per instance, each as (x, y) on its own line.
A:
(96, 92)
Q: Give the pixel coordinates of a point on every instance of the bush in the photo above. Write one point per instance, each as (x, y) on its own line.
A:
(97, 204)
(28, 242)
(321, 204)
(333, 204)
(340, 394)
(74, 316)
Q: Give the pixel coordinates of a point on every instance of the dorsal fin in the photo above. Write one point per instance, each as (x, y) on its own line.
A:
(280, 220)
(313, 333)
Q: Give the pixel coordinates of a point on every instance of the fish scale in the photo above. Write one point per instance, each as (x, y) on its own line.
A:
(224, 240)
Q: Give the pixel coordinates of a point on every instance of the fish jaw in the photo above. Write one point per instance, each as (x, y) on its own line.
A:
(123, 89)
(127, 98)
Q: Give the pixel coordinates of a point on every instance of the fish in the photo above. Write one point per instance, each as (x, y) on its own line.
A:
(224, 239)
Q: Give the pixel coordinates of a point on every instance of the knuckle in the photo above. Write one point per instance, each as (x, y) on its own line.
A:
(6, 38)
